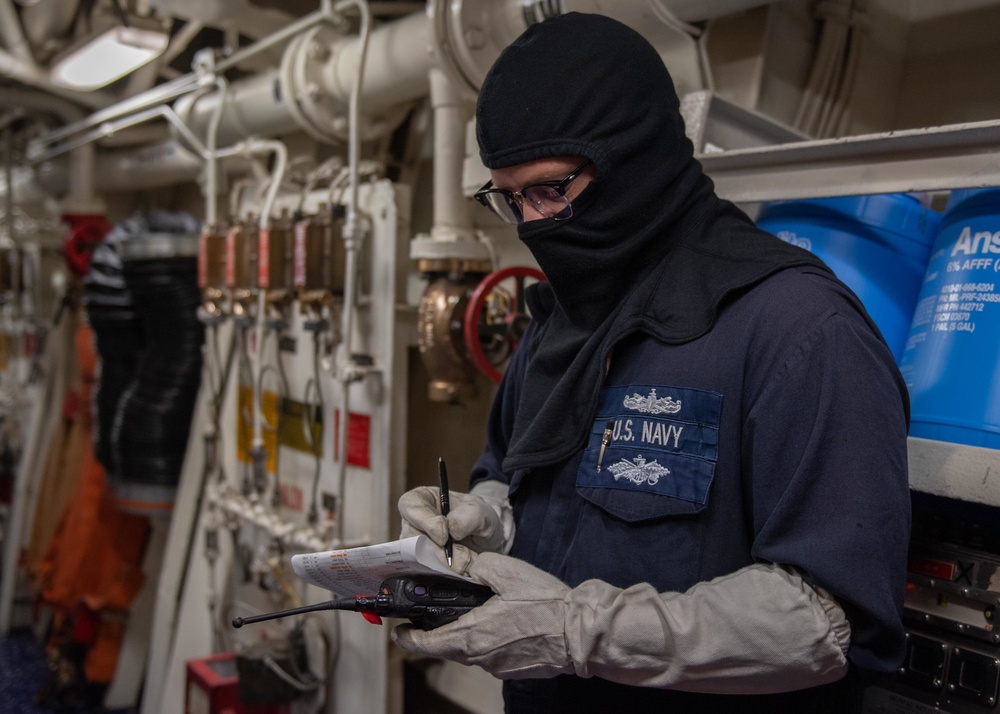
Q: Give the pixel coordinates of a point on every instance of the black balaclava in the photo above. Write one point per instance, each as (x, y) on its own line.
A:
(649, 246)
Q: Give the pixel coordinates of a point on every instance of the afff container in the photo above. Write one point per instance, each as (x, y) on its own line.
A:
(877, 245)
(950, 362)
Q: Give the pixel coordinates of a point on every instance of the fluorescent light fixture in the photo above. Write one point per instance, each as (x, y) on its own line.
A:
(108, 56)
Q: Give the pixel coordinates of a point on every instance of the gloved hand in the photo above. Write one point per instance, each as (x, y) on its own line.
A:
(479, 521)
(518, 634)
(759, 630)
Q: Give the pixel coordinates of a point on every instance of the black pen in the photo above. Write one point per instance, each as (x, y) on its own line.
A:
(445, 505)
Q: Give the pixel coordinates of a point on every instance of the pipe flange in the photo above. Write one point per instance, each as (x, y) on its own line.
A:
(470, 34)
(319, 107)
(424, 247)
(302, 78)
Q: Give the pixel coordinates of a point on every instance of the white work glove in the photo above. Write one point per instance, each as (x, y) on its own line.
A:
(478, 521)
(759, 630)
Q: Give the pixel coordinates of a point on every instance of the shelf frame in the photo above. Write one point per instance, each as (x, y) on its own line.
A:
(929, 159)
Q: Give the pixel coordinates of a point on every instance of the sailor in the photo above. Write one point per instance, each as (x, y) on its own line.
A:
(693, 495)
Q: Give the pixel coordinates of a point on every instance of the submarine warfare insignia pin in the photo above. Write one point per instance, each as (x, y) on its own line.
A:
(638, 471)
(651, 404)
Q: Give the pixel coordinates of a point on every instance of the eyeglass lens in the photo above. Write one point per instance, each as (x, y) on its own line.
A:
(545, 199)
(548, 198)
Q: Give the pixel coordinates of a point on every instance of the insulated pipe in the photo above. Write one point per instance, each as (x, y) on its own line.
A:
(84, 145)
(255, 106)
(316, 78)
(165, 163)
(451, 114)
(399, 59)
(81, 198)
(470, 34)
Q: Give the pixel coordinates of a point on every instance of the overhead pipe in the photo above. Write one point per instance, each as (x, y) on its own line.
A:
(463, 38)
(470, 34)
(256, 106)
(315, 80)
(188, 83)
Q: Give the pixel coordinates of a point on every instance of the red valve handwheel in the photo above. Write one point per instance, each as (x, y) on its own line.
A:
(507, 331)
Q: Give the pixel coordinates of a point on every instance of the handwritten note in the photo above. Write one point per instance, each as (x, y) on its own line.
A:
(360, 571)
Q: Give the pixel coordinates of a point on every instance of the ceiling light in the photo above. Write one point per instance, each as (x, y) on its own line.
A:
(108, 56)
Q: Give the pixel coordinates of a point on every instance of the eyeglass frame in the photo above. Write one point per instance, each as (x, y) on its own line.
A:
(560, 187)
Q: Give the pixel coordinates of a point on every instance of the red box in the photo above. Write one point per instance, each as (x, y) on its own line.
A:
(212, 687)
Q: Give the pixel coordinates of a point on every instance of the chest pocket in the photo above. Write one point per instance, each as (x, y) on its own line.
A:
(652, 451)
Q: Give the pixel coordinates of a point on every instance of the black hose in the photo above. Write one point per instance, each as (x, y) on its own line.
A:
(152, 419)
(117, 335)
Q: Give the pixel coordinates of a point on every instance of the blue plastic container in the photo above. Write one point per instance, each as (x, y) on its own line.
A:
(878, 245)
(951, 363)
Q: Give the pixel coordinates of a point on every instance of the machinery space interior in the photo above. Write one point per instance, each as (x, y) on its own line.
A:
(247, 300)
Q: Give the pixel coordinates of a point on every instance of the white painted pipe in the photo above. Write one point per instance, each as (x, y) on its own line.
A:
(156, 165)
(399, 58)
(452, 110)
(353, 236)
(211, 160)
(254, 106)
(161, 164)
(82, 198)
(259, 105)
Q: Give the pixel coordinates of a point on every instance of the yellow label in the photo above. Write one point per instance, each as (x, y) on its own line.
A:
(245, 415)
(284, 424)
(299, 433)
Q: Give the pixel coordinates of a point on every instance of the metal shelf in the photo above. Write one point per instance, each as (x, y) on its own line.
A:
(931, 159)
(966, 473)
